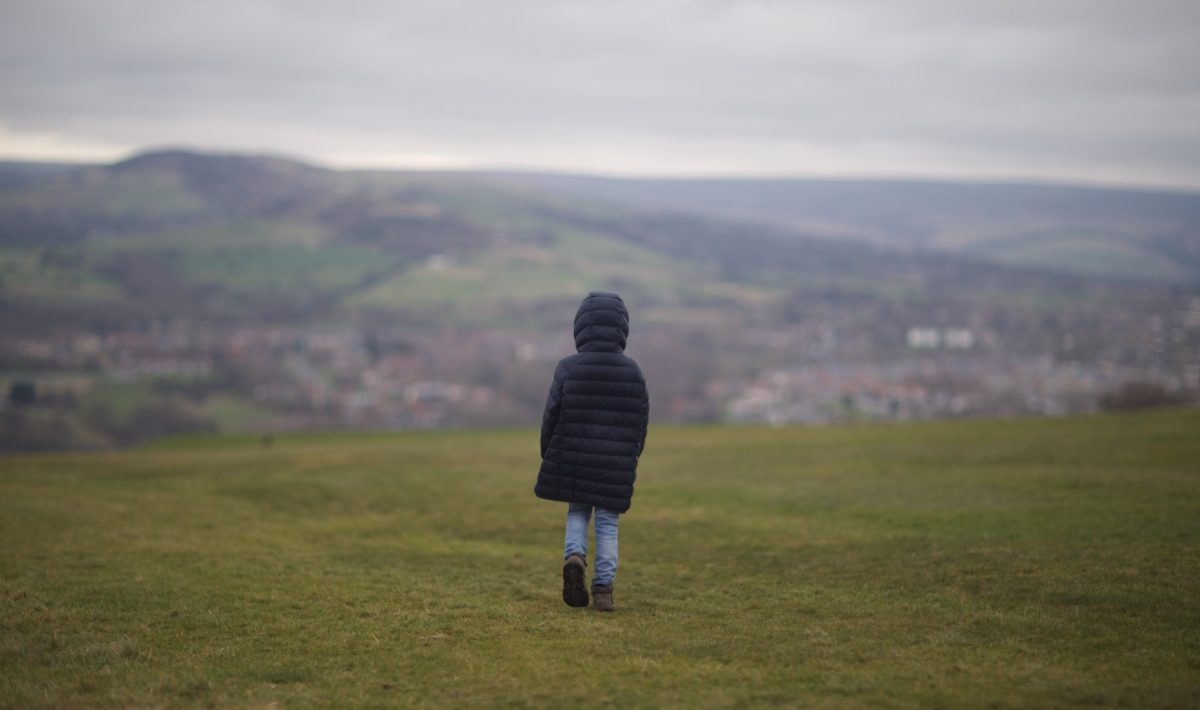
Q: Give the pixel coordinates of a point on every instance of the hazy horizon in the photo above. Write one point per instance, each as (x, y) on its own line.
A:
(900, 177)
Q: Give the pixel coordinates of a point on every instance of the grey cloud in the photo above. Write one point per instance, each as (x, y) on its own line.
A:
(1062, 89)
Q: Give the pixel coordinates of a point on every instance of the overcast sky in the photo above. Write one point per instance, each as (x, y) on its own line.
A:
(1051, 89)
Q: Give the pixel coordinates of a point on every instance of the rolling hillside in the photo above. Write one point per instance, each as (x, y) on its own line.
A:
(1104, 231)
(178, 291)
(174, 234)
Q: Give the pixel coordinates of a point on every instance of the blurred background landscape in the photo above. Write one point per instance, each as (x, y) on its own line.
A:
(263, 217)
(179, 291)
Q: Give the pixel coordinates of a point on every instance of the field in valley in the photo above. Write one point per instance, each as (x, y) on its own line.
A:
(1035, 562)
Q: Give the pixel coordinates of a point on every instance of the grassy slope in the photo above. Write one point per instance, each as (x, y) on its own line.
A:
(574, 263)
(24, 278)
(1047, 562)
(252, 259)
(247, 261)
(158, 241)
(1087, 251)
(1146, 235)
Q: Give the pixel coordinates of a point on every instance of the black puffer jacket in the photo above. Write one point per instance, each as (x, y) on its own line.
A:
(594, 427)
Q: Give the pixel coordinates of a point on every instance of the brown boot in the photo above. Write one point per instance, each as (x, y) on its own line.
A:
(574, 591)
(602, 599)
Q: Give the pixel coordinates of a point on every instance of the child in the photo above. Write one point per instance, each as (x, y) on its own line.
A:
(593, 431)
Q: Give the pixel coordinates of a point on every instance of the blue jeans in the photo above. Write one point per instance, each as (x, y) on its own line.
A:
(576, 542)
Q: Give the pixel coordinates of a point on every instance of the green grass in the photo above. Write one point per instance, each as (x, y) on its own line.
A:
(235, 414)
(575, 262)
(113, 195)
(225, 235)
(120, 397)
(285, 270)
(1092, 252)
(243, 260)
(1032, 562)
(253, 258)
(24, 277)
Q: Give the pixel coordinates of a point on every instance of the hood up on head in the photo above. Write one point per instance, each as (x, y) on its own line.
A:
(601, 323)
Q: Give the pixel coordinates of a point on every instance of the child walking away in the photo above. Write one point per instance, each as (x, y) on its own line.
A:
(593, 431)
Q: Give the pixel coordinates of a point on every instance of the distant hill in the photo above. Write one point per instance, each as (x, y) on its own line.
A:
(178, 291)
(17, 173)
(1134, 233)
(235, 237)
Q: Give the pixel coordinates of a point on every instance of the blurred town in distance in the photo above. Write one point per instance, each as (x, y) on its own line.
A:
(179, 292)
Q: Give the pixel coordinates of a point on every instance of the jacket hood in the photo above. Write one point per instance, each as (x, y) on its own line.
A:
(601, 323)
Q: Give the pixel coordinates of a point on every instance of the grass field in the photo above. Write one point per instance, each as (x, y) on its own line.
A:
(1018, 563)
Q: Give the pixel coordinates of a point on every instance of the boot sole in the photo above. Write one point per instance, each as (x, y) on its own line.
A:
(574, 592)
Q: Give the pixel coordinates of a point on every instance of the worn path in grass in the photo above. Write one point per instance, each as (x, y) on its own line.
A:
(1033, 562)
